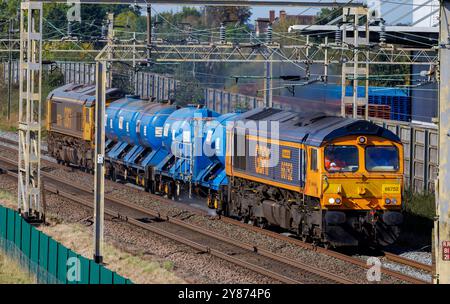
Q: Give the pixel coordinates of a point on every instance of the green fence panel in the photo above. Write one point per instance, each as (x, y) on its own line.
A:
(34, 255)
(94, 273)
(73, 267)
(43, 250)
(3, 223)
(106, 276)
(52, 257)
(118, 279)
(18, 227)
(26, 238)
(62, 263)
(10, 234)
(85, 270)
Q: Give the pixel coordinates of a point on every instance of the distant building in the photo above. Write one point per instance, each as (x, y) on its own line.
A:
(261, 24)
(297, 19)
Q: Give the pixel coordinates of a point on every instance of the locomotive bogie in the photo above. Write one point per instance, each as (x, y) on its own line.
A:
(70, 150)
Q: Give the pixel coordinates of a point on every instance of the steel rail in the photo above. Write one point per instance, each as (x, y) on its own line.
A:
(335, 254)
(408, 262)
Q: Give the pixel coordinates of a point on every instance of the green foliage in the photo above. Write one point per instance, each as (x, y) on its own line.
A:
(168, 265)
(50, 81)
(189, 89)
(127, 21)
(169, 24)
(8, 9)
(56, 18)
(236, 14)
(54, 79)
(389, 69)
(326, 15)
(420, 204)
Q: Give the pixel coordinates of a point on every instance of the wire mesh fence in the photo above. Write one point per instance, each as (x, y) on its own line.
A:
(38, 274)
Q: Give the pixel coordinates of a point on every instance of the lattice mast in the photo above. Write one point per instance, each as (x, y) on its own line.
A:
(29, 184)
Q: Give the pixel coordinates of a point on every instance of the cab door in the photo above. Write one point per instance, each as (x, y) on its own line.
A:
(313, 172)
(87, 123)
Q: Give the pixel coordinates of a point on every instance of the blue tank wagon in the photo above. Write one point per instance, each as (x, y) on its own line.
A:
(134, 129)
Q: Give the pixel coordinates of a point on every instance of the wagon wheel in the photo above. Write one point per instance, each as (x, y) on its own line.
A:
(170, 190)
(261, 223)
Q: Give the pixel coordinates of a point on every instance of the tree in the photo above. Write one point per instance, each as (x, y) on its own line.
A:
(8, 9)
(189, 90)
(326, 15)
(216, 15)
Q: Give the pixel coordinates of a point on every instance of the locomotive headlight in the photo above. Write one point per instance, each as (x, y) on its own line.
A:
(338, 201)
(362, 140)
(394, 201)
(387, 201)
(331, 200)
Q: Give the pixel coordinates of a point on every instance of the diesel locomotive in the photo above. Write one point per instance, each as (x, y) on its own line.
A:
(330, 180)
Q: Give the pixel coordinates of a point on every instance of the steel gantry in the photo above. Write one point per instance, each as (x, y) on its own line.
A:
(307, 54)
(30, 78)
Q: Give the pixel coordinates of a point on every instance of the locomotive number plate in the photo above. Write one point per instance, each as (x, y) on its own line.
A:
(391, 189)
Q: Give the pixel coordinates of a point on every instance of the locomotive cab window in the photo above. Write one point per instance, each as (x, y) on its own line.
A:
(382, 158)
(341, 159)
(87, 117)
(240, 151)
(313, 160)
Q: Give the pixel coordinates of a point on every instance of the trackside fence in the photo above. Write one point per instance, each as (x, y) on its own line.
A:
(47, 260)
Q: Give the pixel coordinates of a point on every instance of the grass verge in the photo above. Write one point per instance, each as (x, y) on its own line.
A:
(12, 273)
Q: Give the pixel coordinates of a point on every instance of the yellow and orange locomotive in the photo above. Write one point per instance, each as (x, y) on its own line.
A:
(334, 180)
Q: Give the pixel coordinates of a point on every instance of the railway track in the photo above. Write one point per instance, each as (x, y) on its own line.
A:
(408, 262)
(350, 259)
(8, 141)
(161, 218)
(242, 254)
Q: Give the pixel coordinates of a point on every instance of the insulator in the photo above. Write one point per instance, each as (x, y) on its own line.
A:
(222, 34)
(269, 34)
(338, 36)
(104, 31)
(154, 32)
(382, 33)
(69, 29)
